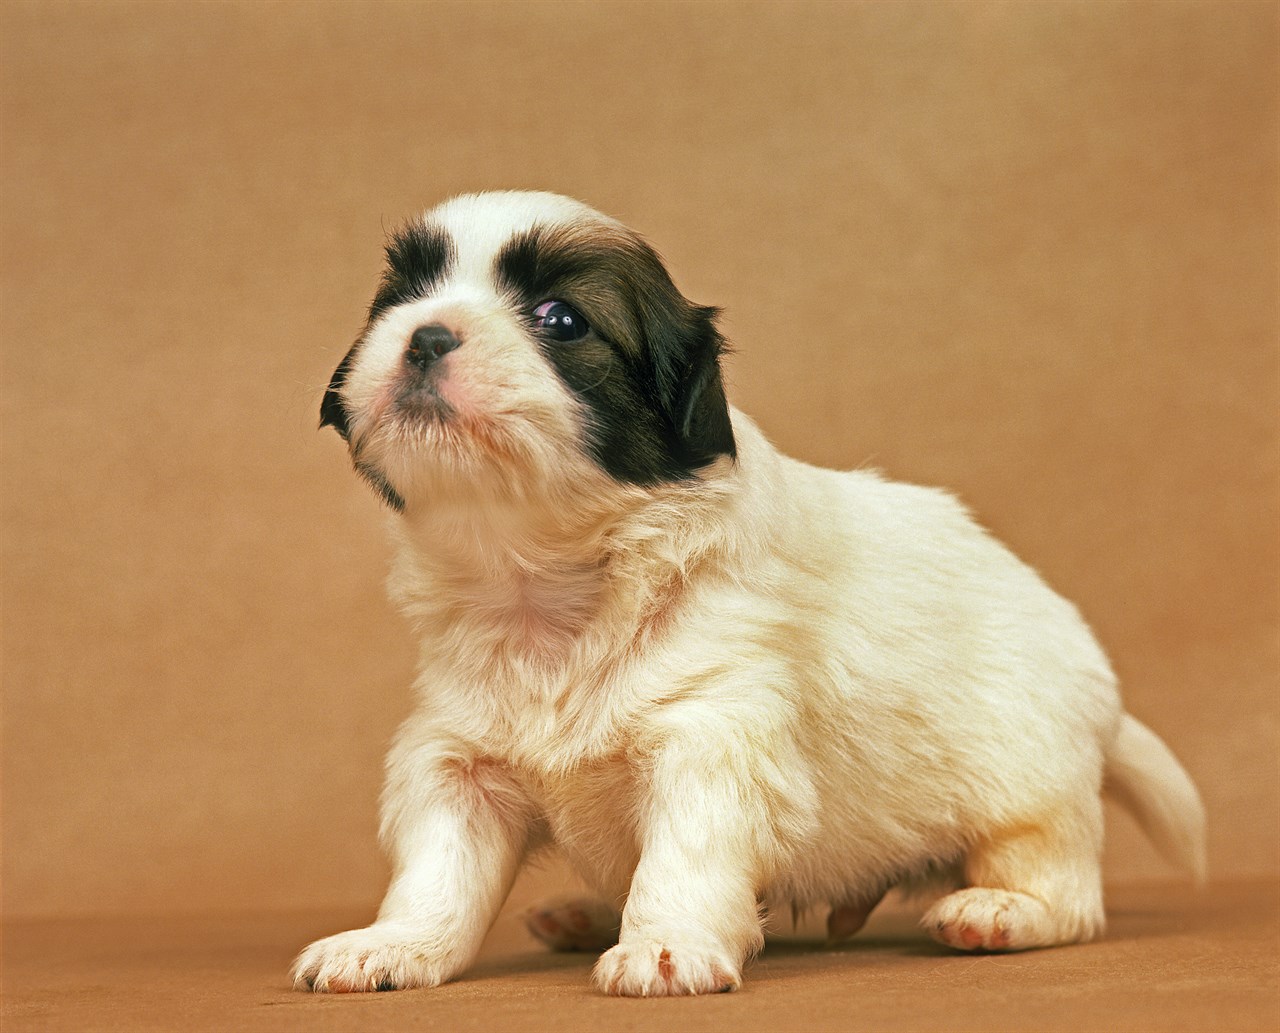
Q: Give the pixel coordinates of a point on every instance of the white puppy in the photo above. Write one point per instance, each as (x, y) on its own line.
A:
(721, 681)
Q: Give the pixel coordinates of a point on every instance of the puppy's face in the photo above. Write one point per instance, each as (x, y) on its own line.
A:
(526, 342)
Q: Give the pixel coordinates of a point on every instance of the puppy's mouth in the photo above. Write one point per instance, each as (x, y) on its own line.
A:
(417, 397)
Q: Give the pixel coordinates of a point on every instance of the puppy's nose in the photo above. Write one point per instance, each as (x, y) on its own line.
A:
(430, 342)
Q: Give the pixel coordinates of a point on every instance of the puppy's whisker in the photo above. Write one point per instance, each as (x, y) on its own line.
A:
(604, 375)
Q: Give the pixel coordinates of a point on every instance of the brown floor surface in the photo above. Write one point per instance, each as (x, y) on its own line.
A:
(1172, 961)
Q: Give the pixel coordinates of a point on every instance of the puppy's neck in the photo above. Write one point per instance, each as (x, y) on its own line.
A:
(516, 579)
(524, 582)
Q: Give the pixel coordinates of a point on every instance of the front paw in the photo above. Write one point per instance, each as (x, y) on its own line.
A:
(379, 957)
(644, 967)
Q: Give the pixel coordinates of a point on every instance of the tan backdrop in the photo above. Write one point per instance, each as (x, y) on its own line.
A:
(1024, 251)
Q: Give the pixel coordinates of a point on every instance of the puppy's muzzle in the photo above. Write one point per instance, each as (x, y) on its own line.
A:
(430, 343)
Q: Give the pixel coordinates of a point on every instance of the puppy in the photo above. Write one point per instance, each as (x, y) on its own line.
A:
(720, 681)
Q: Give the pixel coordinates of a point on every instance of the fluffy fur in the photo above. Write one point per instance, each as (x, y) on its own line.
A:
(722, 682)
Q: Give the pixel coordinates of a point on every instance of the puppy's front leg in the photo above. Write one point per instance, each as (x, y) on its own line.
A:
(724, 795)
(456, 828)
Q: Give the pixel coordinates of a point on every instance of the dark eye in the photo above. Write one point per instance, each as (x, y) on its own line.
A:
(560, 322)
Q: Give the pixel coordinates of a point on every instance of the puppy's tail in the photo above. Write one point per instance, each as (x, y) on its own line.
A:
(1144, 777)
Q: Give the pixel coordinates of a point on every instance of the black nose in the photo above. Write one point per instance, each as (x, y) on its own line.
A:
(430, 342)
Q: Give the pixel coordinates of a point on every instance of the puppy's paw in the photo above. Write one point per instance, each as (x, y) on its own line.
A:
(991, 920)
(574, 924)
(641, 967)
(379, 957)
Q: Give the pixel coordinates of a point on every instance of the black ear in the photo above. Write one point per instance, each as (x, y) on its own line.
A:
(683, 348)
(686, 352)
(332, 412)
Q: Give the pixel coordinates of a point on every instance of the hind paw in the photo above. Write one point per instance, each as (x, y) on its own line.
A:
(990, 920)
(573, 924)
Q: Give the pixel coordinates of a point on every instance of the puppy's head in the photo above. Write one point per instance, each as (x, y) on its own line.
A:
(524, 340)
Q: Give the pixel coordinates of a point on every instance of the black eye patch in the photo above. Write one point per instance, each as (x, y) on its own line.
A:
(418, 257)
(532, 265)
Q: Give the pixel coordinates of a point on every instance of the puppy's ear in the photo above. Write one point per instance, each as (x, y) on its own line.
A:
(686, 351)
(332, 412)
(684, 348)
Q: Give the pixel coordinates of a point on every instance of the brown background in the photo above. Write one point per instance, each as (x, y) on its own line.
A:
(1024, 251)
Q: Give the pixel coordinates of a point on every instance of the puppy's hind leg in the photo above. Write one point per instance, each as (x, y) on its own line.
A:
(1031, 885)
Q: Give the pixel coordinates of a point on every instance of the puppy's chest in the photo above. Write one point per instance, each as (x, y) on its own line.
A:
(565, 709)
(576, 720)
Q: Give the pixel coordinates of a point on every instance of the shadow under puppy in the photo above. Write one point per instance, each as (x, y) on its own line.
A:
(719, 680)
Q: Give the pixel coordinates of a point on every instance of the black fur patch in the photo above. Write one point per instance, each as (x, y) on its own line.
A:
(381, 485)
(418, 256)
(649, 372)
(332, 412)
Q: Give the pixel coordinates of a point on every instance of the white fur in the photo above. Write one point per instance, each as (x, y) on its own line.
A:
(779, 687)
